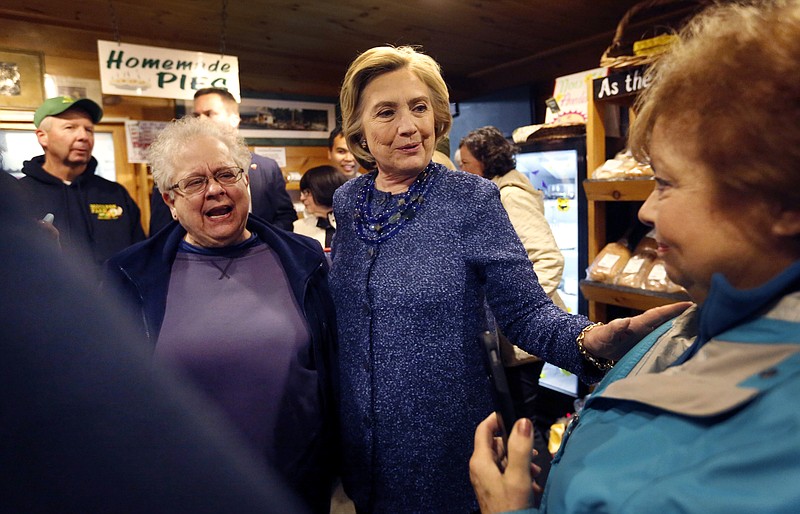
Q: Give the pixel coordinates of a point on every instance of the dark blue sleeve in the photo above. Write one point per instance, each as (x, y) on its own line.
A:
(160, 216)
(523, 310)
(271, 201)
(137, 233)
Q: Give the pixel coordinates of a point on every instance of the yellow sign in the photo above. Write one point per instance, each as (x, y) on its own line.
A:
(655, 45)
(106, 211)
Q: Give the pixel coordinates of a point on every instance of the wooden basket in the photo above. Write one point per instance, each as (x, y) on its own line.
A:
(650, 24)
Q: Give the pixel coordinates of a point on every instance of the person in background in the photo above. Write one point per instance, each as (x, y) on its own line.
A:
(270, 200)
(487, 153)
(95, 217)
(10, 188)
(12, 192)
(699, 417)
(317, 186)
(411, 273)
(442, 152)
(238, 306)
(340, 155)
(457, 158)
(88, 424)
(441, 158)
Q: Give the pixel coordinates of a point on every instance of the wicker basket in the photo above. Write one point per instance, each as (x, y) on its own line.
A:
(646, 30)
(563, 131)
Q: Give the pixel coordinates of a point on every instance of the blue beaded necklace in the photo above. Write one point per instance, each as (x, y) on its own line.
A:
(375, 228)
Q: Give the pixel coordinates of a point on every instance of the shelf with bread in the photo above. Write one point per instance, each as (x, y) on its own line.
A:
(616, 187)
(614, 196)
(628, 297)
(631, 279)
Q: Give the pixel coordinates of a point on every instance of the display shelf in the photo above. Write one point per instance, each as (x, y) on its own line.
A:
(604, 203)
(637, 299)
(618, 190)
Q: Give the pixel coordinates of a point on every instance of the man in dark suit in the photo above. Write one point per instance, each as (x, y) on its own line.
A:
(270, 201)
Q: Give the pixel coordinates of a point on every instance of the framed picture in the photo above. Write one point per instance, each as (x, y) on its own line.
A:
(22, 144)
(21, 79)
(57, 85)
(286, 119)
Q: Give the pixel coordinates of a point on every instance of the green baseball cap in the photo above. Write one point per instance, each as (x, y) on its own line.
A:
(59, 104)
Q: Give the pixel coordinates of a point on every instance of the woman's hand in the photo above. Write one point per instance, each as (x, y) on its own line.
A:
(503, 482)
(613, 340)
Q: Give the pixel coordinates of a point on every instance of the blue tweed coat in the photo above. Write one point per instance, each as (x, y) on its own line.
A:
(413, 385)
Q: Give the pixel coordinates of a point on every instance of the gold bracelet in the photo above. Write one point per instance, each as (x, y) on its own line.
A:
(601, 364)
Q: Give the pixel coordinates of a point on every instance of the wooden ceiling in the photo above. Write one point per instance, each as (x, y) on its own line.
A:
(303, 47)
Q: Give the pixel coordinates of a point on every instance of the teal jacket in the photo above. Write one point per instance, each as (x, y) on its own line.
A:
(718, 433)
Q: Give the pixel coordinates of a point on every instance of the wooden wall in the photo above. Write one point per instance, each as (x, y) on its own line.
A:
(70, 51)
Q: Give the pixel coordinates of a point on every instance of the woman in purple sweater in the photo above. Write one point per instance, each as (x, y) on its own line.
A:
(239, 307)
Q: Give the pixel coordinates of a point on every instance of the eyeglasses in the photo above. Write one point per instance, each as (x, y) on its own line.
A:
(195, 185)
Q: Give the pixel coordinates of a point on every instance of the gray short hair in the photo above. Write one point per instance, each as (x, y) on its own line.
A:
(46, 124)
(162, 153)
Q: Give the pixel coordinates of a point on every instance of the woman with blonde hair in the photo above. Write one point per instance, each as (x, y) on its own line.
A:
(412, 272)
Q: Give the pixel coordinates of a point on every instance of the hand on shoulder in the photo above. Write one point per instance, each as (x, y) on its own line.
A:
(613, 340)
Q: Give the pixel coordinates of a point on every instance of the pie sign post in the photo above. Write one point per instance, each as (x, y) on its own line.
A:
(139, 70)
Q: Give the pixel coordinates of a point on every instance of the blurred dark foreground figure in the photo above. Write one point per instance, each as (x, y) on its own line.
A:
(88, 424)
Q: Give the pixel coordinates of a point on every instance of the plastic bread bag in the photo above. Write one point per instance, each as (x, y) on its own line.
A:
(639, 265)
(635, 269)
(640, 171)
(657, 279)
(609, 262)
(613, 169)
(622, 166)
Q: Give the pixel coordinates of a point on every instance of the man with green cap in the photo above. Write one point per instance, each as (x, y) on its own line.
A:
(95, 217)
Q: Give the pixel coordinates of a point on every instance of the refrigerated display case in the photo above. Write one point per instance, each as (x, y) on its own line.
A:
(557, 167)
